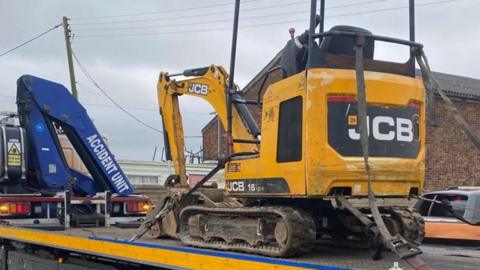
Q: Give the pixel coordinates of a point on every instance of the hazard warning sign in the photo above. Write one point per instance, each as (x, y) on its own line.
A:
(14, 154)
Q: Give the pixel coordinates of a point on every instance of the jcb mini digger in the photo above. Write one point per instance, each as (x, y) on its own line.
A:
(340, 151)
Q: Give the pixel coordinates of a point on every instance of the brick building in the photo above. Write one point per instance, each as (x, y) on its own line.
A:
(451, 159)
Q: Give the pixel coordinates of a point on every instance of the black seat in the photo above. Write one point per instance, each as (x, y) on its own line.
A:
(337, 52)
(343, 45)
(294, 55)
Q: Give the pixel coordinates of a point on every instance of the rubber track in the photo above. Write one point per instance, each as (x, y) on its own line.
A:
(300, 227)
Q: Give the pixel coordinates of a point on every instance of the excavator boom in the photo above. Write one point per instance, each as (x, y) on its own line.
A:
(209, 83)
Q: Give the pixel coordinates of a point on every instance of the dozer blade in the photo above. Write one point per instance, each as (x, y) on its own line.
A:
(161, 219)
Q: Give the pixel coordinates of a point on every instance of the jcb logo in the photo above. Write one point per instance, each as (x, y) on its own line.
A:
(236, 186)
(198, 88)
(386, 128)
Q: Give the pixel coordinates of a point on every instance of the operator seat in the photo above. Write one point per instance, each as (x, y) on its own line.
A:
(343, 45)
(337, 52)
(294, 55)
(335, 49)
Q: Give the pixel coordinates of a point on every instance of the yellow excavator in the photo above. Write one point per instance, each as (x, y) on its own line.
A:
(339, 155)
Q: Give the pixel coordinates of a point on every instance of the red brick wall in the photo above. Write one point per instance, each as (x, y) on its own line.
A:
(252, 94)
(210, 133)
(210, 147)
(451, 159)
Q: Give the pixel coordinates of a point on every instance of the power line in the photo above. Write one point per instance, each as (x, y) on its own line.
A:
(113, 107)
(183, 24)
(256, 17)
(164, 25)
(197, 15)
(30, 40)
(6, 96)
(260, 25)
(390, 9)
(227, 12)
(160, 11)
(131, 108)
(155, 33)
(92, 80)
(140, 109)
(128, 108)
(88, 90)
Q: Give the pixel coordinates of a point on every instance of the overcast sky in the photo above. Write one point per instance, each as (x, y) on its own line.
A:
(126, 53)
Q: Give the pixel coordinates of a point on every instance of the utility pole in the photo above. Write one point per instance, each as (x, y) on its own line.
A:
(68, 44)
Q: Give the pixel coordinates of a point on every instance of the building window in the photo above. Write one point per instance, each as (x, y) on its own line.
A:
(139, 180)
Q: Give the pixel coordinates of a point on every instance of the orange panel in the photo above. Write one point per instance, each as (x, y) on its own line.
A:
(451, 230)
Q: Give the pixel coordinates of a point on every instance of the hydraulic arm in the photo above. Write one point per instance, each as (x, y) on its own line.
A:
(210, 85)
(46, 109)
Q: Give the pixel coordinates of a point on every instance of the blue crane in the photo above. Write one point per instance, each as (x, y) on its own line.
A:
(44, 109)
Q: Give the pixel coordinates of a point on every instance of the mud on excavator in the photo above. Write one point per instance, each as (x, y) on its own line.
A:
(339, 155)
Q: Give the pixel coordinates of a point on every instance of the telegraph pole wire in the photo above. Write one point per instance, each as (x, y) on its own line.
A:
(30, 40)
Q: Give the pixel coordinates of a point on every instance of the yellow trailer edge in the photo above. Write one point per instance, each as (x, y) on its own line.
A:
(153, 255)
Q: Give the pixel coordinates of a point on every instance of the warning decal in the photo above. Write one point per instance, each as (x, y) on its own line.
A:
(14, 154)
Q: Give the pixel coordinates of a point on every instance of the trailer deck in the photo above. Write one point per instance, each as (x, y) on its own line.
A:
(111, 243)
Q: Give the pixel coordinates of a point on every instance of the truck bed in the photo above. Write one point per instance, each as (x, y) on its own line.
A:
(112, 243)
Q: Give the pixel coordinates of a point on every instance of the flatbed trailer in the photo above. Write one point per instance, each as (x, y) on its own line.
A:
(107, 248)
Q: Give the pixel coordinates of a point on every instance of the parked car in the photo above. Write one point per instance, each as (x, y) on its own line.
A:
(441, 223)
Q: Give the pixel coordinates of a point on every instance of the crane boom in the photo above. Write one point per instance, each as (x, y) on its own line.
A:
(46, 107)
